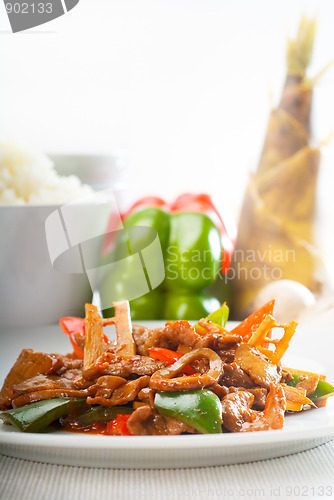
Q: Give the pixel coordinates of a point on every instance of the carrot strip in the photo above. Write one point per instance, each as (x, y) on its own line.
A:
(260, 335)
(260, 340)
(295, 398)
(250, 324)
(283, 344)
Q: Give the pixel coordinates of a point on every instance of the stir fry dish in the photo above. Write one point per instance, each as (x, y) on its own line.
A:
(177, 379)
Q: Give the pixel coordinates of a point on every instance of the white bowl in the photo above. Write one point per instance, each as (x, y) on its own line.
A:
(100, 171)
(40, 248)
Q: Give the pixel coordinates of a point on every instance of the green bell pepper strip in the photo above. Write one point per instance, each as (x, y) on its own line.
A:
(219, 317)
(37, 416)
(200, 409)
(323, 390)
(102, 414)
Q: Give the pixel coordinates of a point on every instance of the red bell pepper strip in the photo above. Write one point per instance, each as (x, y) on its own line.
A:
(118, 427)
(147, 201)
(75, 327)
(71, 324)
(248, 326)
(170, 357)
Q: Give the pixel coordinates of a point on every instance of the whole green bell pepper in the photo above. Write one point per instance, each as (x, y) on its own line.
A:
(148, 305)
(191, 245)
(200, 409)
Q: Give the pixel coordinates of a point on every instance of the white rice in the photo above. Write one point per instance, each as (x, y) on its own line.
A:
(28, 176)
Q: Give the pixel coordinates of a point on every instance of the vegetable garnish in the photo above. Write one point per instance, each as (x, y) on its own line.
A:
(75, 329)
(170, 380)
(318, 392)
(38, 416)
(200, 409)
(169, 357)
(118, 427)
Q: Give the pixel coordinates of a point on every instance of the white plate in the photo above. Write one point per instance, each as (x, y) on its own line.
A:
(301, 431)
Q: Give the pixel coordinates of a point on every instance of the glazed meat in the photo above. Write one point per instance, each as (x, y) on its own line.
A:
(28, 365)
(141, 337)
(233, 375)
(146, 421)
(260, 369)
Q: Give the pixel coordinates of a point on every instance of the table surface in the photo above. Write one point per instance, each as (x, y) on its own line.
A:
(308, 474)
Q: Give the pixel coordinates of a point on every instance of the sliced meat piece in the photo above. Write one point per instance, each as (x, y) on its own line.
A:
(68, 362)
(309, 383)
(28, 365)
(143, 365)
(200, 365)
(227, 355)
(107, 384)
(123, 394)
(137, 365)
(42, 382)
(113, 364)
(216, 337)
(236, 410)
(167, 379)
(238, 415)
(147, 396)
(146, 421)
(173, 334)
(181, 332)
(32, 397)
(72, 374)
(260, 394)
(257, 366)
(141, 336)
(233, 375)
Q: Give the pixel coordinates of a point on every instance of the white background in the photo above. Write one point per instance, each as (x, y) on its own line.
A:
(185, 86)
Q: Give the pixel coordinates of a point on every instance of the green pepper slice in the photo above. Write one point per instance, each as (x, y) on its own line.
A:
(102, 414)
(294, 381)
(323, 390)
(201, 409)
(37, 416)
(219, 317)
